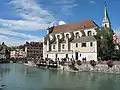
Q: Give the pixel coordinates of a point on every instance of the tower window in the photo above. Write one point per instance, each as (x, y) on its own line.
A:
(106, 25)
(89, 33)
(83, 44)
(91, 44)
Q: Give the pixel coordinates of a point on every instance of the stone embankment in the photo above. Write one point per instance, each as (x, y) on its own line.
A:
(98, 68)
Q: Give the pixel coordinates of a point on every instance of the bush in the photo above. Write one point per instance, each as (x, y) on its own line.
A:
(93, 63)
(110, 63)
(62, 62)
(79, 62)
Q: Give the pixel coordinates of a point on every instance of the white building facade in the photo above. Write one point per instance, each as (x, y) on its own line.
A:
(18, 53)
(73, 41)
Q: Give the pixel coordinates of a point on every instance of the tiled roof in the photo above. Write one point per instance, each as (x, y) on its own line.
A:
(72, 26)
(84, 39)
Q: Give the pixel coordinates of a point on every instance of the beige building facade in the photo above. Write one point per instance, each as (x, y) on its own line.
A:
(73, 41)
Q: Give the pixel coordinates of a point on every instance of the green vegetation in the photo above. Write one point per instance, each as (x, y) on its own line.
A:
(105, 46)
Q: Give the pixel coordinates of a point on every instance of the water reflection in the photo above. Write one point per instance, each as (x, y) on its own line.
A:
(28, 78)
(4, 70)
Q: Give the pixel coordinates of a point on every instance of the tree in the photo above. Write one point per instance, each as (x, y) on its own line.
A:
(105, 45)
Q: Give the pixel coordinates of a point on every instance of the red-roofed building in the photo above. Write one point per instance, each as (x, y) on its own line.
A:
(74, 40)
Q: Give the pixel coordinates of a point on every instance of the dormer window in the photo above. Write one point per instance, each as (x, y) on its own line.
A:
(58, 36)
(89, 33)
(77, 35)
(67, 35)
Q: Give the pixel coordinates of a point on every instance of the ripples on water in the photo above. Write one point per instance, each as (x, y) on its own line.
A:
(20, 77)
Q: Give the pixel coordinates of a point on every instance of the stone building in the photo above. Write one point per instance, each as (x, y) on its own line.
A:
(4, 52)
(73, 41)
(33, 49)
(18, 53)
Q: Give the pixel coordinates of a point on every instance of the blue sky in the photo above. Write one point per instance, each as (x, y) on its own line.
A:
(27, 20)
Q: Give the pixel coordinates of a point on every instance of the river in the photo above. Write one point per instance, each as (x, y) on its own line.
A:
(20, 77)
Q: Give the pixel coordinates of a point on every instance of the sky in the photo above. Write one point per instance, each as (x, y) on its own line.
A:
(28, 20)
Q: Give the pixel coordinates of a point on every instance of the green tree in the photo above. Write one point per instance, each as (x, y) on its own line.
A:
(105, 44)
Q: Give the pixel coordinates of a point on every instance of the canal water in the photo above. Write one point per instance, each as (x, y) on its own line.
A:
(20, 77)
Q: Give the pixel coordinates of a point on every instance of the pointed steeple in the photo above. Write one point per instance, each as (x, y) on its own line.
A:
(106, 20)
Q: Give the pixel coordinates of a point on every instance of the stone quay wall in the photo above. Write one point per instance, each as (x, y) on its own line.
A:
(88, 68)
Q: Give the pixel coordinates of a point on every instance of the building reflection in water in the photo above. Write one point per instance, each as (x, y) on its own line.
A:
(4, 72)
(25, 71)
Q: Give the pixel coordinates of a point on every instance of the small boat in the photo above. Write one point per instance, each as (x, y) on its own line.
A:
(29, 63)
(11, 61)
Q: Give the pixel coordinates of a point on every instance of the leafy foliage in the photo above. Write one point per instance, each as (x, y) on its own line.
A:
(105, 45)
(110, 64)
(93, 63)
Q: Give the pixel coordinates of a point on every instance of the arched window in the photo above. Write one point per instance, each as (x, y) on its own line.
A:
(105, 25)
(89, 33)
(77, 35)
(58, 36)
(67, 35)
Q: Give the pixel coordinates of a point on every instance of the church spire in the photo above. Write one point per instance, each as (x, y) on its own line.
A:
(106, 20)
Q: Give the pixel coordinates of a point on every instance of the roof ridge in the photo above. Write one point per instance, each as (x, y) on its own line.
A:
(75, 25)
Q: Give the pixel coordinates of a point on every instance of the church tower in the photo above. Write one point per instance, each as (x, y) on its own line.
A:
(106, 21)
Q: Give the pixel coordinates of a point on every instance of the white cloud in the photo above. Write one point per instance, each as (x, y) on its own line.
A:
(61, 22)
(31, 11)
(15, 42)
(92, 2)
(33, 17)
(22, 25)
(13, 33)
(66, 5)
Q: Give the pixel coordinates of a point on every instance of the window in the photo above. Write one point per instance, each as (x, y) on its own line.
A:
(89, 33)
(83, 44)
(55, 55)
(66, 55)
(63, 46)
(58, 36)
(106, 25)
(80, 54)
(67, 35)
(53, 46)
(77, 35)
(91, 44)
(76, 44)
